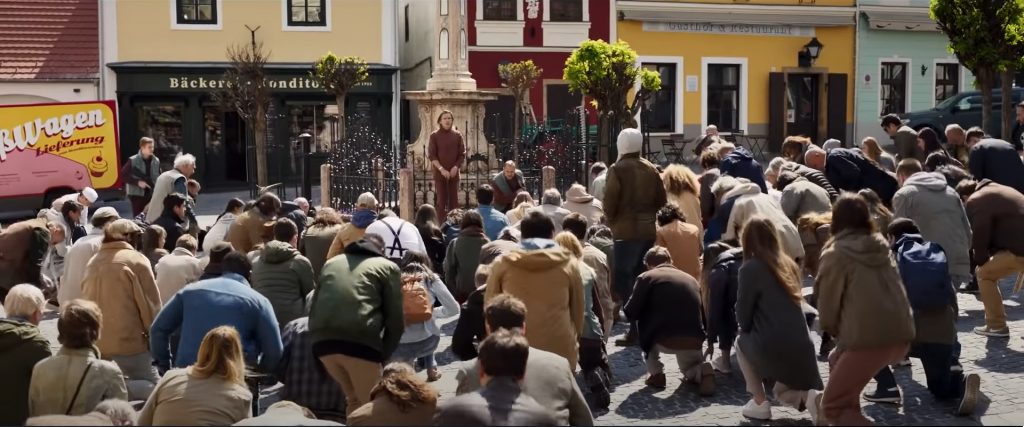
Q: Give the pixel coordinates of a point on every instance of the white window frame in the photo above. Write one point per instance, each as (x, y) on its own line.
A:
(219, 25)
(586, 11)
(480, 11)
(744, 88)
(313, 28)
(935, 69)
(678, 61)
(878, 92)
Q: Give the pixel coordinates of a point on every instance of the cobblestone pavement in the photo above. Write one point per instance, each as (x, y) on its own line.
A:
(997, 360)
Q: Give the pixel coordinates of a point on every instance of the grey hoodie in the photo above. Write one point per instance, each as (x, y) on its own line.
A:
(284, 277)
(936, 208)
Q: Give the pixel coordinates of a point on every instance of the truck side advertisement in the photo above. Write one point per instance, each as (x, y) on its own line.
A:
(44, 146)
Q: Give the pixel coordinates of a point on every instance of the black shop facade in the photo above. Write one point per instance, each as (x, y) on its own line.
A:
(173, 103)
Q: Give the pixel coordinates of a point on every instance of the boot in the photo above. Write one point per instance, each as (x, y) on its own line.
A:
(629, 340)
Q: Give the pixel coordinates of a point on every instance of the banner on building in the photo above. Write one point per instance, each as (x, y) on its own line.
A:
(45, 146)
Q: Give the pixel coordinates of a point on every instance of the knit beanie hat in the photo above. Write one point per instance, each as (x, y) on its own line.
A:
(630, 141)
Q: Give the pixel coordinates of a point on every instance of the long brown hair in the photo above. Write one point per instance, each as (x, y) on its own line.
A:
(760, 241)
(403, 387)
(871, 149)
(852, 212)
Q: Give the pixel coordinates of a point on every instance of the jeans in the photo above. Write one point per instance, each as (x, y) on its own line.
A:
(629, 263)
(938, 361)
(410, 351)
(140, 376)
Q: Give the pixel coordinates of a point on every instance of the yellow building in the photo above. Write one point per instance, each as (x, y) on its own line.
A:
(167, 57)
(768, 68)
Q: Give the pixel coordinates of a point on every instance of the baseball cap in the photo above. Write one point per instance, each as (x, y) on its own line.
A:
(105, 212)
(120, 229)
(90, 194)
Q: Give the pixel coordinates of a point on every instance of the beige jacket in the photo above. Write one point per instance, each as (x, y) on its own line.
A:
(347, 234)
(381, 411)
(176, 270)
(689, 204)
(548, 281)
(248, 231)
(683, 242)
(120, 281)
(577, 200)
(862, 301)
(55, 378)
(180, 399)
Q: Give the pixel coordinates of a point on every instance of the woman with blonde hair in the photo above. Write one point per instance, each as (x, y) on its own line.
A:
(399, 399)
(522, 202)
(210, 392)
(774, 341)
(683, 189)
(869, 146)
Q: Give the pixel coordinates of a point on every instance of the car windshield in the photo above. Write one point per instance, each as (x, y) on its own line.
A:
(946, 103)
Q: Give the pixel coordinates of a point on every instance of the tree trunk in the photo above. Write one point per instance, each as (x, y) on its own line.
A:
(342, 120)
(1008, 109)
(604, 138)
(985, 78)
(260, 135)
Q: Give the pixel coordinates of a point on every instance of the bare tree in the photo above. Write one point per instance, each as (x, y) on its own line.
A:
(247, 93)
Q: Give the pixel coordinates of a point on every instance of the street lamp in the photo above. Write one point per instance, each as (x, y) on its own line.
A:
(809, 53)
(307, 184)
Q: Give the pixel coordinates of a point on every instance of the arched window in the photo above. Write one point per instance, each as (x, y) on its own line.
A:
(443, 44)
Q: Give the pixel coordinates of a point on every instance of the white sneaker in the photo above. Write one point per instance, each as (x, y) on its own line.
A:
(721, 364)
(813, 405)
(757, 412)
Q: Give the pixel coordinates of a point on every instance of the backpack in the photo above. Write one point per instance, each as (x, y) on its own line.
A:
(416, 304)
(925, 272)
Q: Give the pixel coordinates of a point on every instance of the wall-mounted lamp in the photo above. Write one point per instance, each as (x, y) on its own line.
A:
(924, 69)
(809, 53)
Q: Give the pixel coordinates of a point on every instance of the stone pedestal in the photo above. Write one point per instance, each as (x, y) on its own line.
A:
(468, 108)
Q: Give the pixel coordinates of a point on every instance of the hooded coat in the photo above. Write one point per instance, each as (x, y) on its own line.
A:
(547, 279)
(861, 300)
(248, 230)
(461, 261)
(741, 164)
(939, 214)
(751, 202)
(285, 277)
(802, 197)
(21, 346)
(577, 200)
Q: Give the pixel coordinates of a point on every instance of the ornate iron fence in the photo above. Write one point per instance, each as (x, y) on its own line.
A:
(365, 161)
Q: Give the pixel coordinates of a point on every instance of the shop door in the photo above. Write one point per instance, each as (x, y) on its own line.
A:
(802, 106)
(226, 147)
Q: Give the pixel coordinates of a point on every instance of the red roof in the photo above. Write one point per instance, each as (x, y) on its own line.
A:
(49, 39)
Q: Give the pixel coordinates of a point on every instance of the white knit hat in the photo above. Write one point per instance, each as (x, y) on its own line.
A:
(90, 194)
(630, 141)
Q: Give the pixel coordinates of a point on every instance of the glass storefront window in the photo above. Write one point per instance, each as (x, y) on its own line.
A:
(163, 123)
(311, 119)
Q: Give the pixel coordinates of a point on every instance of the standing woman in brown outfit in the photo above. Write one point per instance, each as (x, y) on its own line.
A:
(862, 304)
(446, 151)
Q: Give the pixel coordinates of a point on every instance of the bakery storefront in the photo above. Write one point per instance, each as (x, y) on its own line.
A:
(173, 103)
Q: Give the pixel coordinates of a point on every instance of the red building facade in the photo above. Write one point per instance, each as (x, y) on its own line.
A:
(545, 31)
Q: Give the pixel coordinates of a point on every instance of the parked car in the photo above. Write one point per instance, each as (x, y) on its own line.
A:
(963, 109)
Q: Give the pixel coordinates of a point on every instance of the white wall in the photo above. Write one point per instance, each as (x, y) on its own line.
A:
(38, 92)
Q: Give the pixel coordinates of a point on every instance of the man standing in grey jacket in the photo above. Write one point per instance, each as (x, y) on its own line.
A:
(938, 211)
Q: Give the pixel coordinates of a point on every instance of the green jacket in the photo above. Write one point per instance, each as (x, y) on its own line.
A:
(461, 261)
(285, 277)
(633, 194)
(21, 346)
(359, 302)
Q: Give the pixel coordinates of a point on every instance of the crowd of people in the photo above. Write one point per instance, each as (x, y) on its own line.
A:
(865, 249)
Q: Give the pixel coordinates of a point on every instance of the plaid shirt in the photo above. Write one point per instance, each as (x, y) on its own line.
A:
(305, 380)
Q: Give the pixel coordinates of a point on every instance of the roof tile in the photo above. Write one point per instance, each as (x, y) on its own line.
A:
(49, 39)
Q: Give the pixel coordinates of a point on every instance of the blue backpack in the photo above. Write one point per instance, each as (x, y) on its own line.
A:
(925, 272)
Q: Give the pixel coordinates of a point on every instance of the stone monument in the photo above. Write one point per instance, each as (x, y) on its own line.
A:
(452, 87)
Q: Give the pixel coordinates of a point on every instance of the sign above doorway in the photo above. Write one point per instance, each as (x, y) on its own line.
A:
(734, 29)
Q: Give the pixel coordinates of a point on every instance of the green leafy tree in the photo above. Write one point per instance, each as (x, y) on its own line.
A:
(519, 78)
(246, 92)
(607, 73)
(338, 75)
(987, 37)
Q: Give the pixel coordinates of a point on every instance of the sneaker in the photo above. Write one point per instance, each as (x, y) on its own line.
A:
(891, 395)
(826, 347)
(757, 412)
(970, 399)
(998, 333)
(813, 404)
(707, 379)
(722, 364)
(656, 380)
(626, 341)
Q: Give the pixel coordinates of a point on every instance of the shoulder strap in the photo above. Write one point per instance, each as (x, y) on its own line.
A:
(88, 367)
(396, 245)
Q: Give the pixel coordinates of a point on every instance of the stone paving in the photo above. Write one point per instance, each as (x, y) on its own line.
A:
(997, 360)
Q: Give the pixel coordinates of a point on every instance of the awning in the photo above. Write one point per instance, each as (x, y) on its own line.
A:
(814, 16)
(899, 18)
